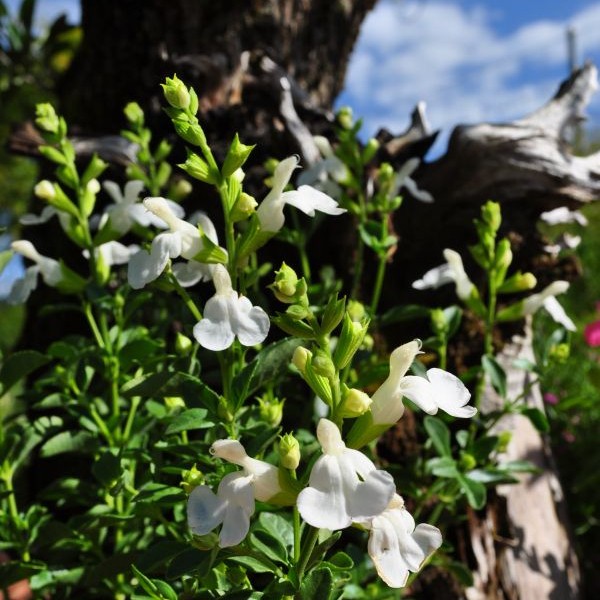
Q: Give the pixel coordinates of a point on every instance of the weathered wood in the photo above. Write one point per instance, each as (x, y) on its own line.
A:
(535, 557)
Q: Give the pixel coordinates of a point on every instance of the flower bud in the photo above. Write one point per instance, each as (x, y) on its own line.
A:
(323, 365)
(559, 353)
(467, 461)
(183, 344)
(355, 403)
(352, 336)
(519, 282)
(300, 358)
(491, 215)
(180, 190)
(285, 284)
(271, 411)
(45, 190)
(438, 321)
(289, 452)
(134, 114)
(191, 478)
(198, 168)
(345, 117)
(356, 310)
(244, 207)
(236, 156)
(176, 93)
(174, 403)
(370, 150)
(504, 438)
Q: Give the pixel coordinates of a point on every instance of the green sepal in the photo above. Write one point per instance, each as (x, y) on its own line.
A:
(298, 329)
(61, 202)
(198, 168)
(364, 431)
(237, 155)
(211, 253)
(514, 312)
(334, 312)
(95, 168)
(53, 154)
(71, 282)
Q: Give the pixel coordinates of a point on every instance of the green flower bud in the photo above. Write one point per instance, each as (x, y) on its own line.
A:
(333, 314)
(289, 452)
(198, 168)
(180, 190)
(559, 353)
(45, 190)
(243, 208)
(323, 365)
(345, 117)
(236, 156)
(134, 114)
(174, 403)
(350, 340)
(176, 93)
(285, 284)
(183, 344)
(519, 282)
(504, 438)
(438, 321)
(191, 478)
(271, 410)
(355, 403)
(467, 461)
(300, 358)
(491, 215)
(356, 310)
(46, 118)
(370, 150)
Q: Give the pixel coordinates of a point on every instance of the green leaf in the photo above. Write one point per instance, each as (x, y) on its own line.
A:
(19, 365)
(67, 441)
(255, 564)
(439, 435)
(107, 468)
(187, 562)
(409, 312)
(537, 418)
(496, 374)
(474, 491)
(484, 446)
(278, 527)
(147, 385)
(452, 316)
(317, 584)
(444, 466)
(157, 589)
(268, 365)
(193, 418)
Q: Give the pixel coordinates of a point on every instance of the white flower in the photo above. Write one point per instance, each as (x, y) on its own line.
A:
(228, 315)
(441, 390)
(306, 198)
(452, 271)
(563, 215)
(183, 240)
(48, 268)
(127, 209)
(344, 485)
(396, 546)
(233, 505)
(114, 253)
(547, 299)
(47, 213)
(404, 180)
(325, 174)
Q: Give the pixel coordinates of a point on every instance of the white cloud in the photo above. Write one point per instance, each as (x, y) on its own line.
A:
(451, 57)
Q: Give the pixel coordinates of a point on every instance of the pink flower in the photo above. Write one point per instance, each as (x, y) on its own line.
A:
(591, 334)
(550, 398)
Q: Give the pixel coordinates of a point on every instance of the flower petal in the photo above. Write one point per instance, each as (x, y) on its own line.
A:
(450, 394)
(434, 278)
(309, 199)
(205, 510)
(22, 288)
(420, 391)
(250, 323)
(371, 496)
(144, 268)
(557, 312)
(214, 331)
(384, 550)
(323, 503)
(191, 272)
(237, 490)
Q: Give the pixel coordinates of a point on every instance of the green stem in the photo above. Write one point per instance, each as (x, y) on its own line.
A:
(185, 297)
(309, 545)
(135, 402)
(297, 531)
(381, 268)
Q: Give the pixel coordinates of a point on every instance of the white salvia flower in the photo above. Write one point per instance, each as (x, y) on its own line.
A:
(233, 505)
(396, 546)
(183, 240)
(127, 209)
(344, 485)
(114, 253)
(306, 198)
(404, 180)
(30, 219)
(452, 271)
(441, 390)
(563, 215)
(325, 174)
(547, 299)
(47, 267)
(228, 315)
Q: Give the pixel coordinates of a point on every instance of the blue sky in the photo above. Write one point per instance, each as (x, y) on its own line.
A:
(469, 60)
